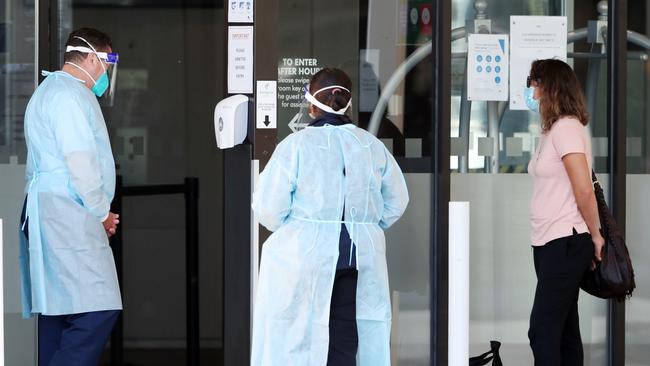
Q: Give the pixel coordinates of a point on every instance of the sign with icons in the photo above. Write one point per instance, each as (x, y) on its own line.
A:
(487, 67)
(240, 11)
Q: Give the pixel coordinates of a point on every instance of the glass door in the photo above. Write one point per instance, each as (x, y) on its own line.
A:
(372, 40)
(160, 128)
(637, 323)
(491, 146)
(17, 82)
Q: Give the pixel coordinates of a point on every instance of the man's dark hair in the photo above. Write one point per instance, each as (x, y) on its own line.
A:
(97, 39)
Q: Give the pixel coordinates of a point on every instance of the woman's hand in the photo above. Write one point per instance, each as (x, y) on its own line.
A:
(599, 243)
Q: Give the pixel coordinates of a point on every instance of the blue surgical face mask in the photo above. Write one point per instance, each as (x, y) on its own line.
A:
(529, 97)
(101, 84)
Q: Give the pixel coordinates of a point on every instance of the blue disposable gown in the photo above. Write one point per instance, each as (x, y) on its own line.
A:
(67, 266)
(300, 196)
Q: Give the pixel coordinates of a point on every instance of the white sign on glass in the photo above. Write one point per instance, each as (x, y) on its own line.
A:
(533, 38)
(266, 104)
(240, 59)
(368, 80)
(487, 67)
(240, 11)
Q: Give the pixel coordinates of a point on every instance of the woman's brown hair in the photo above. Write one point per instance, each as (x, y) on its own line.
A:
(560, 92)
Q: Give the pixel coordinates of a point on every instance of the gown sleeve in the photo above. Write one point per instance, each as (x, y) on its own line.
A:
(76, 143)
(276, 185)
(393, 191)
(29, 169)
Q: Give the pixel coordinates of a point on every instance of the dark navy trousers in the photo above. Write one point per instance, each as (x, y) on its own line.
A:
(344, 338)
(74, 340)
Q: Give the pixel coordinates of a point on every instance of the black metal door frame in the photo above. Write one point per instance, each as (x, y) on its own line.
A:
(47, 33)
(440, 188)
(617, 158)
(259, 145)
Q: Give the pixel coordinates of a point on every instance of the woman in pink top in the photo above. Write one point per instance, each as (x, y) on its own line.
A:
(563, 214)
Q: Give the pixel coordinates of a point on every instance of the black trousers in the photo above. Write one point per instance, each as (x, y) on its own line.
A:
(554, 324)
(344, 338)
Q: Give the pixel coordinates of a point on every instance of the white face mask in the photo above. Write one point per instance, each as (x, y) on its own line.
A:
(312, 99)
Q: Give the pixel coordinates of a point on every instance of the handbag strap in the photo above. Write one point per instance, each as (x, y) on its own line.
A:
(594, 179)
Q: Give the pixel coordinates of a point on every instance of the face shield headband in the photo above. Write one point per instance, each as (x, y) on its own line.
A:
(109, 58)
(312, 99)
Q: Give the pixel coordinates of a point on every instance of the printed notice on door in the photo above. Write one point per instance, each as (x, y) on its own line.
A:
(266, 104)
(240, 59)
(294, 74)
(533, 38)
(487, 67)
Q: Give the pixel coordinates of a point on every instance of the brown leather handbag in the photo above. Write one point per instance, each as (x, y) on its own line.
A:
(613, 277)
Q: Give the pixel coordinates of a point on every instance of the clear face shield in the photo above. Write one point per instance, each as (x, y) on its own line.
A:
(303, 118)
(105, 84)
(111, 61)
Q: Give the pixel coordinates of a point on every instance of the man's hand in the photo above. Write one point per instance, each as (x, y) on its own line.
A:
(110, 225)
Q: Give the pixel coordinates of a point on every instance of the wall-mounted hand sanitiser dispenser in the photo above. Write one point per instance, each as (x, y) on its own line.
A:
(231, 121)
